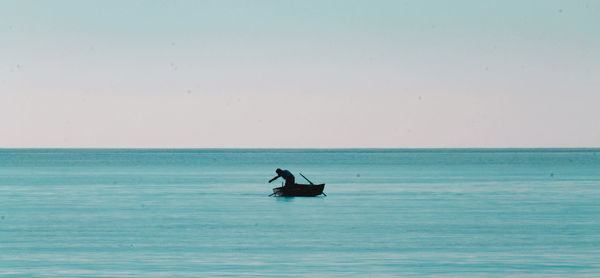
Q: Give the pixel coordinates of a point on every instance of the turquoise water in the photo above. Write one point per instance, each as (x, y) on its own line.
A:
(198, 213)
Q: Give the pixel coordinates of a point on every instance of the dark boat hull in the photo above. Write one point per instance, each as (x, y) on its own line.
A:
(300, 190)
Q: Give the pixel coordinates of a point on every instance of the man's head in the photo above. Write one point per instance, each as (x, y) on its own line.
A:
(278, 171)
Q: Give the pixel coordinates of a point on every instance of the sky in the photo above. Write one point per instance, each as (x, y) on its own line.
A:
(299, 74)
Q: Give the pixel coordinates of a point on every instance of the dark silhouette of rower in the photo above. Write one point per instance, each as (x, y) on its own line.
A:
(286, 175)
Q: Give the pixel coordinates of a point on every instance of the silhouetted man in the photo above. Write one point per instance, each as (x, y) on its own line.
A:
(286, 175)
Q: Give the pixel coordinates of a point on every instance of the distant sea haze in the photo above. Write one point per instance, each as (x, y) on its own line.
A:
(388, 212)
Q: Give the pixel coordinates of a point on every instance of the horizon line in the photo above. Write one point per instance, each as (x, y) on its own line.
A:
(293, 148)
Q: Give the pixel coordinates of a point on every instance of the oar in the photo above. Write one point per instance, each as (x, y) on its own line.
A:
(311, 183)
(274, 192)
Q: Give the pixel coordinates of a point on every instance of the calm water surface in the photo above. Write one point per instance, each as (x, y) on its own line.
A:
(198, 213)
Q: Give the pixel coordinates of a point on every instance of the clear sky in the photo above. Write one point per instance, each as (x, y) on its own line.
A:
(300, 74)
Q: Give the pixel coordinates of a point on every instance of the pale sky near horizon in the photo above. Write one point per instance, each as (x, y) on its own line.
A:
(299, 74)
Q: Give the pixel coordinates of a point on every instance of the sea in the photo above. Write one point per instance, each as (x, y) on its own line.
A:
(387, 213)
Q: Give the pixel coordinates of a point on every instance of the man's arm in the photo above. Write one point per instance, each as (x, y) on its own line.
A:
(274, 178)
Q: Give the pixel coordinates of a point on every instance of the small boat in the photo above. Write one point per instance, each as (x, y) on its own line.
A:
(299, 190)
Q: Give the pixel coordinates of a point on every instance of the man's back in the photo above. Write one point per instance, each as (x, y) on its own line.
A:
(287, 175)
